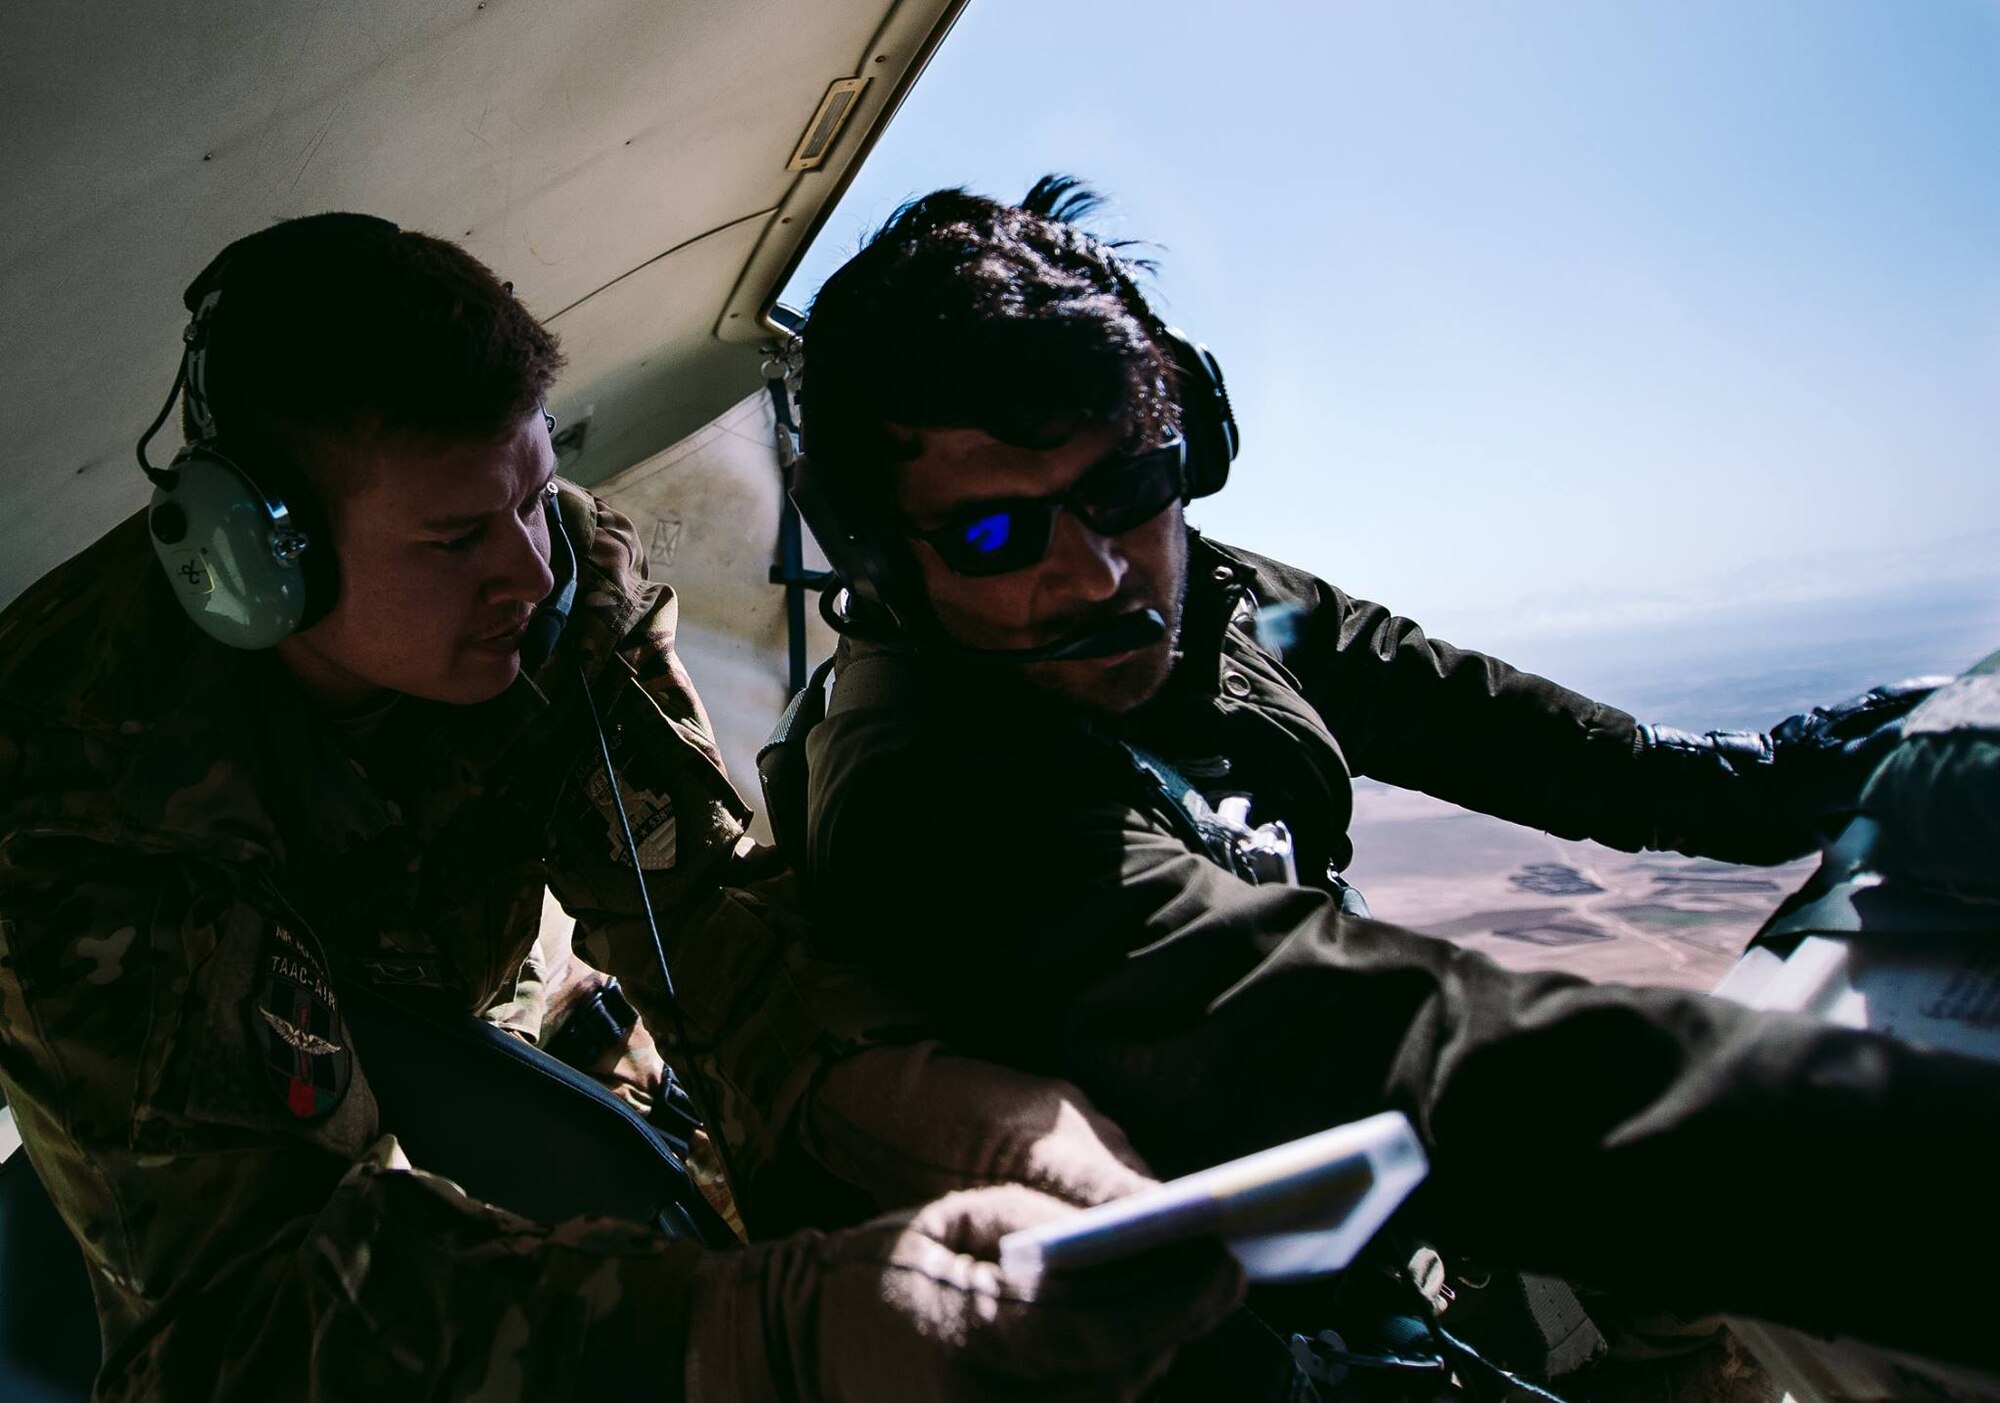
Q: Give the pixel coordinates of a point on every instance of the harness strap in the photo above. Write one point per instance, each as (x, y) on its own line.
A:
(1185, 805)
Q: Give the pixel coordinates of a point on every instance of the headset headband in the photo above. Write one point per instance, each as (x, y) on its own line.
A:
(240, 539)
(877, 565)
(252, 253)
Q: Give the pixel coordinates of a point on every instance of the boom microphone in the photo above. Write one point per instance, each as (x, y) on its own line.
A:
(551, 616)
(1140, 629)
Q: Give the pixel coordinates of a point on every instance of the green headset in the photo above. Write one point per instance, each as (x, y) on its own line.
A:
(242, 538)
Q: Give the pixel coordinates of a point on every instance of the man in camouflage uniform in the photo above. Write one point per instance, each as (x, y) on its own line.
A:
(1123, 867)
(200, 846)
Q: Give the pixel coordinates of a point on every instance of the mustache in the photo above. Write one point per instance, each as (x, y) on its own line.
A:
(1097, 617)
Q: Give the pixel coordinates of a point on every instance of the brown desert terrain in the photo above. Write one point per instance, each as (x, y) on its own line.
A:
(1533, 901)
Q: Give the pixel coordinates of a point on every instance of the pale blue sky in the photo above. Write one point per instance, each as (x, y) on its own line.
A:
(1543, 317)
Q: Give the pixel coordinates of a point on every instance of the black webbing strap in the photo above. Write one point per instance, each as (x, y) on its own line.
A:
(513, 1126)
(790, 571)
(781, 766)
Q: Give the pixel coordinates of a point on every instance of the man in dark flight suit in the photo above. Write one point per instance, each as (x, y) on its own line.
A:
(1108, 848)
(202, 846)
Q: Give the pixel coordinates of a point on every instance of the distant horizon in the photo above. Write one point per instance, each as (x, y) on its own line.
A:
(1750, 668)
(1597, 337)
(1872, 616)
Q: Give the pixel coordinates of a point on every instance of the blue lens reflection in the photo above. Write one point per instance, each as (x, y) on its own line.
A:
(989, 533)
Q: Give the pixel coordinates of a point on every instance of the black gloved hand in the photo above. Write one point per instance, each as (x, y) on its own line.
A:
(1852, 737)
(1766, 792)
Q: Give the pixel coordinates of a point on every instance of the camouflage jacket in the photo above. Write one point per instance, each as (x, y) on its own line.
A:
(187, 848)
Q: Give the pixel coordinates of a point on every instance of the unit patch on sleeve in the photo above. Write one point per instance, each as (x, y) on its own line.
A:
(295, 1019)
(650, 812)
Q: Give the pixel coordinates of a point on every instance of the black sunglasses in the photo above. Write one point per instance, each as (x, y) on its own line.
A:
(1112, 498)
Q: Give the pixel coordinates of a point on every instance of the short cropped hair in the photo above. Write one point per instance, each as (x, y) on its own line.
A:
(332, 333)
(964, 312)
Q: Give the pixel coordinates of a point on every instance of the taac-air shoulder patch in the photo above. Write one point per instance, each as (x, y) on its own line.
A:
(648, 807)
(295, 1019)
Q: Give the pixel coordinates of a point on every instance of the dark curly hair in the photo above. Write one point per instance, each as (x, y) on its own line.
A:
(333, 330)
(964, 312)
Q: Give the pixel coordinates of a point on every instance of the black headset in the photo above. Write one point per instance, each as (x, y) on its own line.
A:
(551, 616)
(874, 561)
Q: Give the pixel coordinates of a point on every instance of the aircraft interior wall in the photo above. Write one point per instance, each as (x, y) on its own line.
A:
(707, 510)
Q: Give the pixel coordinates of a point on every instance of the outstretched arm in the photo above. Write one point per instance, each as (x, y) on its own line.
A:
(1422, 714)
(1657, 1141)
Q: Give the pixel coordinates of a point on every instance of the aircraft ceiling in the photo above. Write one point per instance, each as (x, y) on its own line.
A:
(623, 162)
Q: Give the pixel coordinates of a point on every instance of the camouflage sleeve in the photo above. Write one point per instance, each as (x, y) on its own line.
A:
(754, 1015)
(250, 1238)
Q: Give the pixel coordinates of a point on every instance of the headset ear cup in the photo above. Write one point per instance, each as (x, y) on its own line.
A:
(1207, 421)
(233, 560)
(879, 574)
(242, 536)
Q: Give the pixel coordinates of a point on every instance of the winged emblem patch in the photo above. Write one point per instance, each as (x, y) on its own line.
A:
(299, 1038)
(297, 1025)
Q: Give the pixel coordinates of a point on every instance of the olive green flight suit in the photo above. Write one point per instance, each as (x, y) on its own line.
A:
(1034, 882)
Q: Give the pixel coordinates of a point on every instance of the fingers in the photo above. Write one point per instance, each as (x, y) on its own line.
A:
(1119, 1322)
(1871, 748)
(1856, 717)
(1142, 1309)
(916, 1307)
(974, 1221)
(1901, 696)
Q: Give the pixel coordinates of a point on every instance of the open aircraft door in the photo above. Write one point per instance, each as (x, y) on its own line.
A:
(646, 173)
